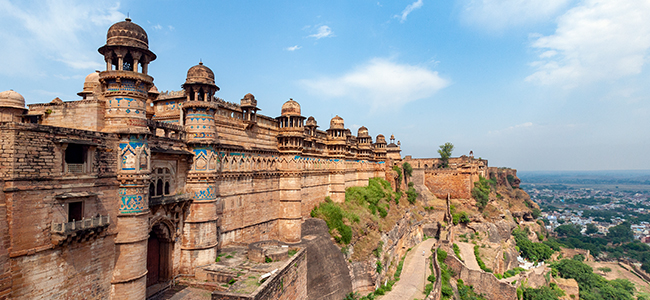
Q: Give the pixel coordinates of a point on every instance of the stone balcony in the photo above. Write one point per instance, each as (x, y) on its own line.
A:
(65, 233)
(162, 200)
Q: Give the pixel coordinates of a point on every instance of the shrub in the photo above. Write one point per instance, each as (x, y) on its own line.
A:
(481, 192)
(411, 195)
(480, 262)
(530, 250)
(457, 251)
(333, 216)
(442, 254)
(380, 267)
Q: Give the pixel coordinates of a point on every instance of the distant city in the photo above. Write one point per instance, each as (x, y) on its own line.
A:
(601, 198)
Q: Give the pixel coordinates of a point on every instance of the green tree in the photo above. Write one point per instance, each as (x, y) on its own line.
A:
(569, 230)
(591, 229)
(620, 233)
(445, 154)
(408, 171)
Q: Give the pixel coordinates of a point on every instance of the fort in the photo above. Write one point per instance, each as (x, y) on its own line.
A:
(116, 194)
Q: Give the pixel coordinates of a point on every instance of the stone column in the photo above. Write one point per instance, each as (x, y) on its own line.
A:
(290, 205)
(129, 275)
(200, 232)
(337, 181)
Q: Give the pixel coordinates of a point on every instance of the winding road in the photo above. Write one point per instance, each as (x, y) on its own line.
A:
(414, 274)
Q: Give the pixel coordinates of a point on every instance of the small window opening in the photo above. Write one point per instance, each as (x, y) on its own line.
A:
(166, 188)
(152, 189)
(75, 211)
(127, 64)
(75, 154)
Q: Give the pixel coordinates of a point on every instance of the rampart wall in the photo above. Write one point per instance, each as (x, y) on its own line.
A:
(82, 114)
(483, 282)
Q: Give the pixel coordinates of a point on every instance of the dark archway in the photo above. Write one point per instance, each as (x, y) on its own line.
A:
(159, 255)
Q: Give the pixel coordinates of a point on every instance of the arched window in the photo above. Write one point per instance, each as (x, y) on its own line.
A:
(167, 188)
(159, 187)
(152, 189)
(127, 64)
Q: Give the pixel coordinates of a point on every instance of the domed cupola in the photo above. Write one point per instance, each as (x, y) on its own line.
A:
(125, 84)
(91, 82)
(199, 84)
(12, 99)
(292, 130)
(337, 123)
(291, 108)
(12, 106)
(127, 46)
(200, 105)
(200, 74)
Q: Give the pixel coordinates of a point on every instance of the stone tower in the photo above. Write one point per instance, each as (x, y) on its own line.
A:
(201, 235)
(125, 85)
(291, 136)
(337, 148)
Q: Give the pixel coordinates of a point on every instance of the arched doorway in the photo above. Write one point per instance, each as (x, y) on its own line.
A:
(159, 254)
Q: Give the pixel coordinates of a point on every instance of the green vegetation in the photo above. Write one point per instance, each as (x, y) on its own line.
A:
(445, 154)
(617, 244)
(378, 250)
(268, 259)
(481, 191)
(398, 271)
(411, 194)
(460, 217)
(408, 171)
(480, 262)
(374, 198)
(593, 286)
(380, 267)
(605, 269)
(398, 179)
(542, 293)
(333, 215)
(510, 273)
(591, 229)
(529, 250)
(457, 251)
(445, 275)
(466, 292)
(292, 252)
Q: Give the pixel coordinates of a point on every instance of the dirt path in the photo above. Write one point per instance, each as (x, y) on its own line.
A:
(467, 253)
(414, 274)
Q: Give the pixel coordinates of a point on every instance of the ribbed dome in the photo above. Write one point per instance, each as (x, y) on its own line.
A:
(12, 99)
(311, 121)
(200, 74)
(127, 33)
(291, 108)
(363, 132)
(381, 139)
(337, 123)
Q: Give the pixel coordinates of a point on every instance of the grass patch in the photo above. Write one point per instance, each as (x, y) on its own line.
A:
(457, 251)
(480, 262)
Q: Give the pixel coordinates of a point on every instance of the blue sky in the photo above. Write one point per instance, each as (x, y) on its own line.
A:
(533, 85)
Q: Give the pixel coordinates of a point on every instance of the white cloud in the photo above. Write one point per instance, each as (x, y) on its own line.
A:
(292, 48)
(55, 30)
(381, 83)
(597, 40)
(501, 14)
(409, 8)
(157, 27)
(322, 32)
(511, 128)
